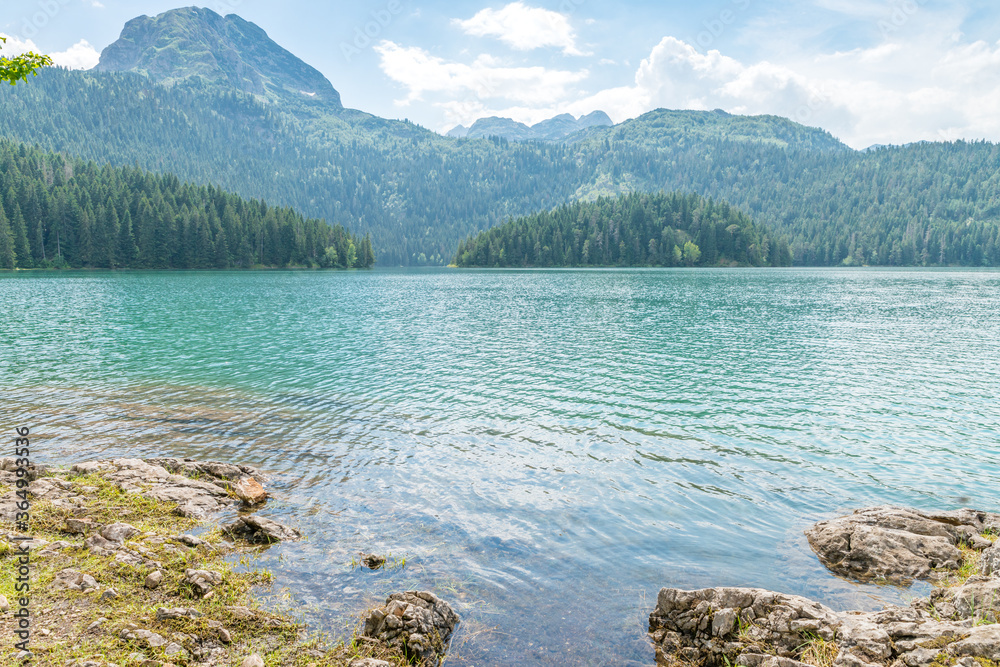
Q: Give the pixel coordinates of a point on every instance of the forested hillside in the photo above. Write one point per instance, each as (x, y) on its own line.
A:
(56, 212)
(632, 230)
(417, 193)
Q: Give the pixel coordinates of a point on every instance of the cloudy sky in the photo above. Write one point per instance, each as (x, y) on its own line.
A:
(869, 71)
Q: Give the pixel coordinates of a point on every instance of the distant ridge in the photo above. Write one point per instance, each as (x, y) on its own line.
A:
(224, 52)
(551, 130)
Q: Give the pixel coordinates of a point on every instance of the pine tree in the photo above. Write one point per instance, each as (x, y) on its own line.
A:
(21, 248)
(128, 252)
(8, 258)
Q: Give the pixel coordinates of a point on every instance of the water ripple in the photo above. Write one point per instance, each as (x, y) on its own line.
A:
(547, 448)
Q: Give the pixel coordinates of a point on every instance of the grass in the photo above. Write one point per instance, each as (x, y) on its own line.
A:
(970, 563)
(391, 563)
(818, 651)
(72, 625)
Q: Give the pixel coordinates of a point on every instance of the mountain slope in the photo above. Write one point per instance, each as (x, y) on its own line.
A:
(665, 127)
(225, 52)
(551, 130)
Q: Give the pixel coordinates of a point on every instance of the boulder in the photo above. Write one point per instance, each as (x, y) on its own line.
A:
(758, 628)
(202, 581)
(989, 561)
(894, 544)
(258, 530)
(249, 491)
(977, 599)
(417, 624)
(79, 526)
(153, 579)
(252, 661)
(119, 532)
(173, 613)
(73, 580)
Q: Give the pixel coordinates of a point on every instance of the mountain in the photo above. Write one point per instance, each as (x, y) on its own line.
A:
(552, 130)
(666, 127)
(225, 52)
(418, 193)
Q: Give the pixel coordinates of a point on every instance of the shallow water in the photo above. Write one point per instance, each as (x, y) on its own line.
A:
(545, 448)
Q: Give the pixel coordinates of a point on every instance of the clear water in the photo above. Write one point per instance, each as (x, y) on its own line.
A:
(546, 448)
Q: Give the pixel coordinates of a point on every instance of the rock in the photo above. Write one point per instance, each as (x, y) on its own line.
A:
(109, 594)
(684, 621)
(258, 530)
(73, 580)
(978, 599)
(896, 544)
(252, 661)
(119, 532)
(368, 662)
(761, 628)
(4, 605)
(173, 648)
(224, 635)
(173, 613)
(989, 561)
(100, 546)
(146, 637)
(202, 580)
(79, 526)
(189, 540)
(417, 623)
(153, 579)
(372, 561)
(242, 613)
(249, 491)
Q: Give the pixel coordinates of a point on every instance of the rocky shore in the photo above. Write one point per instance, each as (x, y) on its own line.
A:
(131, 565)
(956, 626)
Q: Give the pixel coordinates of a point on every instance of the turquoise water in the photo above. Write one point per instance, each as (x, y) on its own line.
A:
(545, 448)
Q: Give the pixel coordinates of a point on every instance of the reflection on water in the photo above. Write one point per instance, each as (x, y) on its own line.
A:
(547, 449)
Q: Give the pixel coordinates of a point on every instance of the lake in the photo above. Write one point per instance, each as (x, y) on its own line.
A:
(546, 449)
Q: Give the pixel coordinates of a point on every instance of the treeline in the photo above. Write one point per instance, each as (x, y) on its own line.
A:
(931, 204)
(416, 193)
(59, 213)
(632, 230)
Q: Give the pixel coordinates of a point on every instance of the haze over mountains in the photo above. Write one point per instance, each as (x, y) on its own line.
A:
(213, 100)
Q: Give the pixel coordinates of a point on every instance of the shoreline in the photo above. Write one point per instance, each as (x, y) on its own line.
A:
(131, 565)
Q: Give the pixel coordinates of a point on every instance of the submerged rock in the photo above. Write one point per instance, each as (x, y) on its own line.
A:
(372, 561)
(258, 530)
(417, 623)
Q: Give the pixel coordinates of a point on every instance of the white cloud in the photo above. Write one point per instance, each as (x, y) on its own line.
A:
(523, 28)
(485, 78)
(79, 56)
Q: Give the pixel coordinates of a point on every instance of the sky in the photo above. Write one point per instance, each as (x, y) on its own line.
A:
(868, 71)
